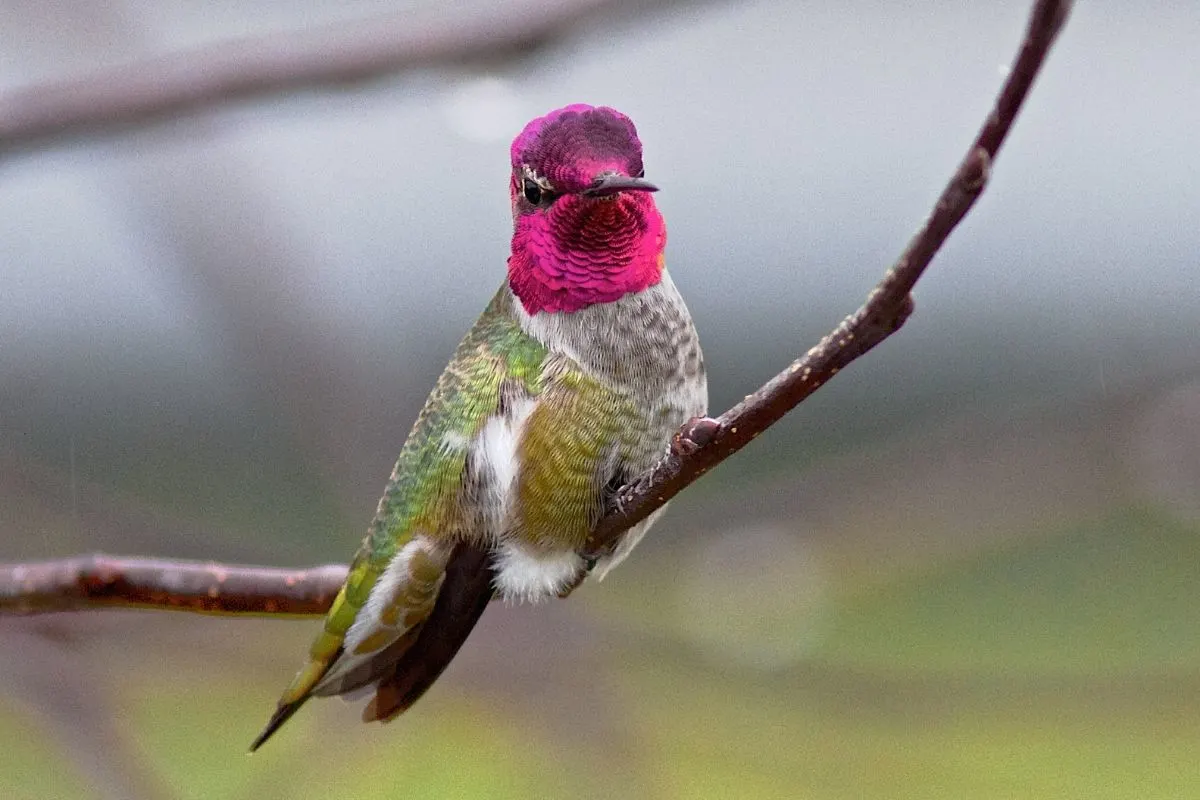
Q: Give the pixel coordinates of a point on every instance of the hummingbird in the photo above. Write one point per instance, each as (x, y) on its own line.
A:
(570, 384)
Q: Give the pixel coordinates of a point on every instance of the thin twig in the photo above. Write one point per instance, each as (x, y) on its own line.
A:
(695, 449)
(704, 443)
(142, 92)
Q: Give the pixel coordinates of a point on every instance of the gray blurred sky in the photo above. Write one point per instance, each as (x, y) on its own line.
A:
(798, 145)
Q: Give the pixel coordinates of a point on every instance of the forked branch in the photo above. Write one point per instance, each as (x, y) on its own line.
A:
(696, 448)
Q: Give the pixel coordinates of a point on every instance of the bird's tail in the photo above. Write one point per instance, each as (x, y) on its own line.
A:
(410, 665)
(465, 593)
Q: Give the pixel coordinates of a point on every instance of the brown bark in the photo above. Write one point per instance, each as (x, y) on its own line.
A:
(99, 581)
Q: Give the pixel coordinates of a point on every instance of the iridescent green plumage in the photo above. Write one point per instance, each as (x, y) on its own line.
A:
(424, 490)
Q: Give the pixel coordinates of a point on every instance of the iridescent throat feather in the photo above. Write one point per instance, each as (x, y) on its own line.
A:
(570, 249)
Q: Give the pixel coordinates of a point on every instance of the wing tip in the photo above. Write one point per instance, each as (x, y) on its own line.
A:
(282, 714)
(464, 595)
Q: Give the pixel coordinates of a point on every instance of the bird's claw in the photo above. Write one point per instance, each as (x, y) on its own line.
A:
(695, 434)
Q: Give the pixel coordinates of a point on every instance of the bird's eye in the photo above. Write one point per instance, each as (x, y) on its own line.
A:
(642, 173)
(536, 194)
(533, 192)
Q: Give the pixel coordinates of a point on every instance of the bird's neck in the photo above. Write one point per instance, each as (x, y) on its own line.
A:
(577, 255)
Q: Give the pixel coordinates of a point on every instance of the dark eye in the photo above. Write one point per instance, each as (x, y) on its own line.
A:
(642, 173)
(535, 194)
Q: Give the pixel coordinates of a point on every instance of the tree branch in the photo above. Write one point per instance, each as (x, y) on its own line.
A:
(99, 581)
(149, 90)
(696, 448)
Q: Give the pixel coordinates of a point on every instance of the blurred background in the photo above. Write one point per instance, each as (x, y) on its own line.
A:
(968, 568)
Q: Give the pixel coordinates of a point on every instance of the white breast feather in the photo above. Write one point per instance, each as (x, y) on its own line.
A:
(522, 573)
(525, 574)
(495, 449)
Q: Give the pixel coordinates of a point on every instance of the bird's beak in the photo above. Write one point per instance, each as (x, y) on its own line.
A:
(608, 185)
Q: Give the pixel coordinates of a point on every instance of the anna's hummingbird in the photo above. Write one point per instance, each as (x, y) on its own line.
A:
(570, 384)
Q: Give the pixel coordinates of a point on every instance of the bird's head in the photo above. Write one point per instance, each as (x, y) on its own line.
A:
(585, 226)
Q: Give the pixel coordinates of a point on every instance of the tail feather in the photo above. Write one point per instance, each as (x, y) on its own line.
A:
(465, 593)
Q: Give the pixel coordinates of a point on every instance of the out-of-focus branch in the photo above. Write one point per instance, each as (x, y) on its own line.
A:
(100, 581)
(140, 92)
(697, 447)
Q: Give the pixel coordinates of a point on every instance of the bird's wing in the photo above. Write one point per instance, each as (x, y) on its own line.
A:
(548, 455)
(429, 506)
